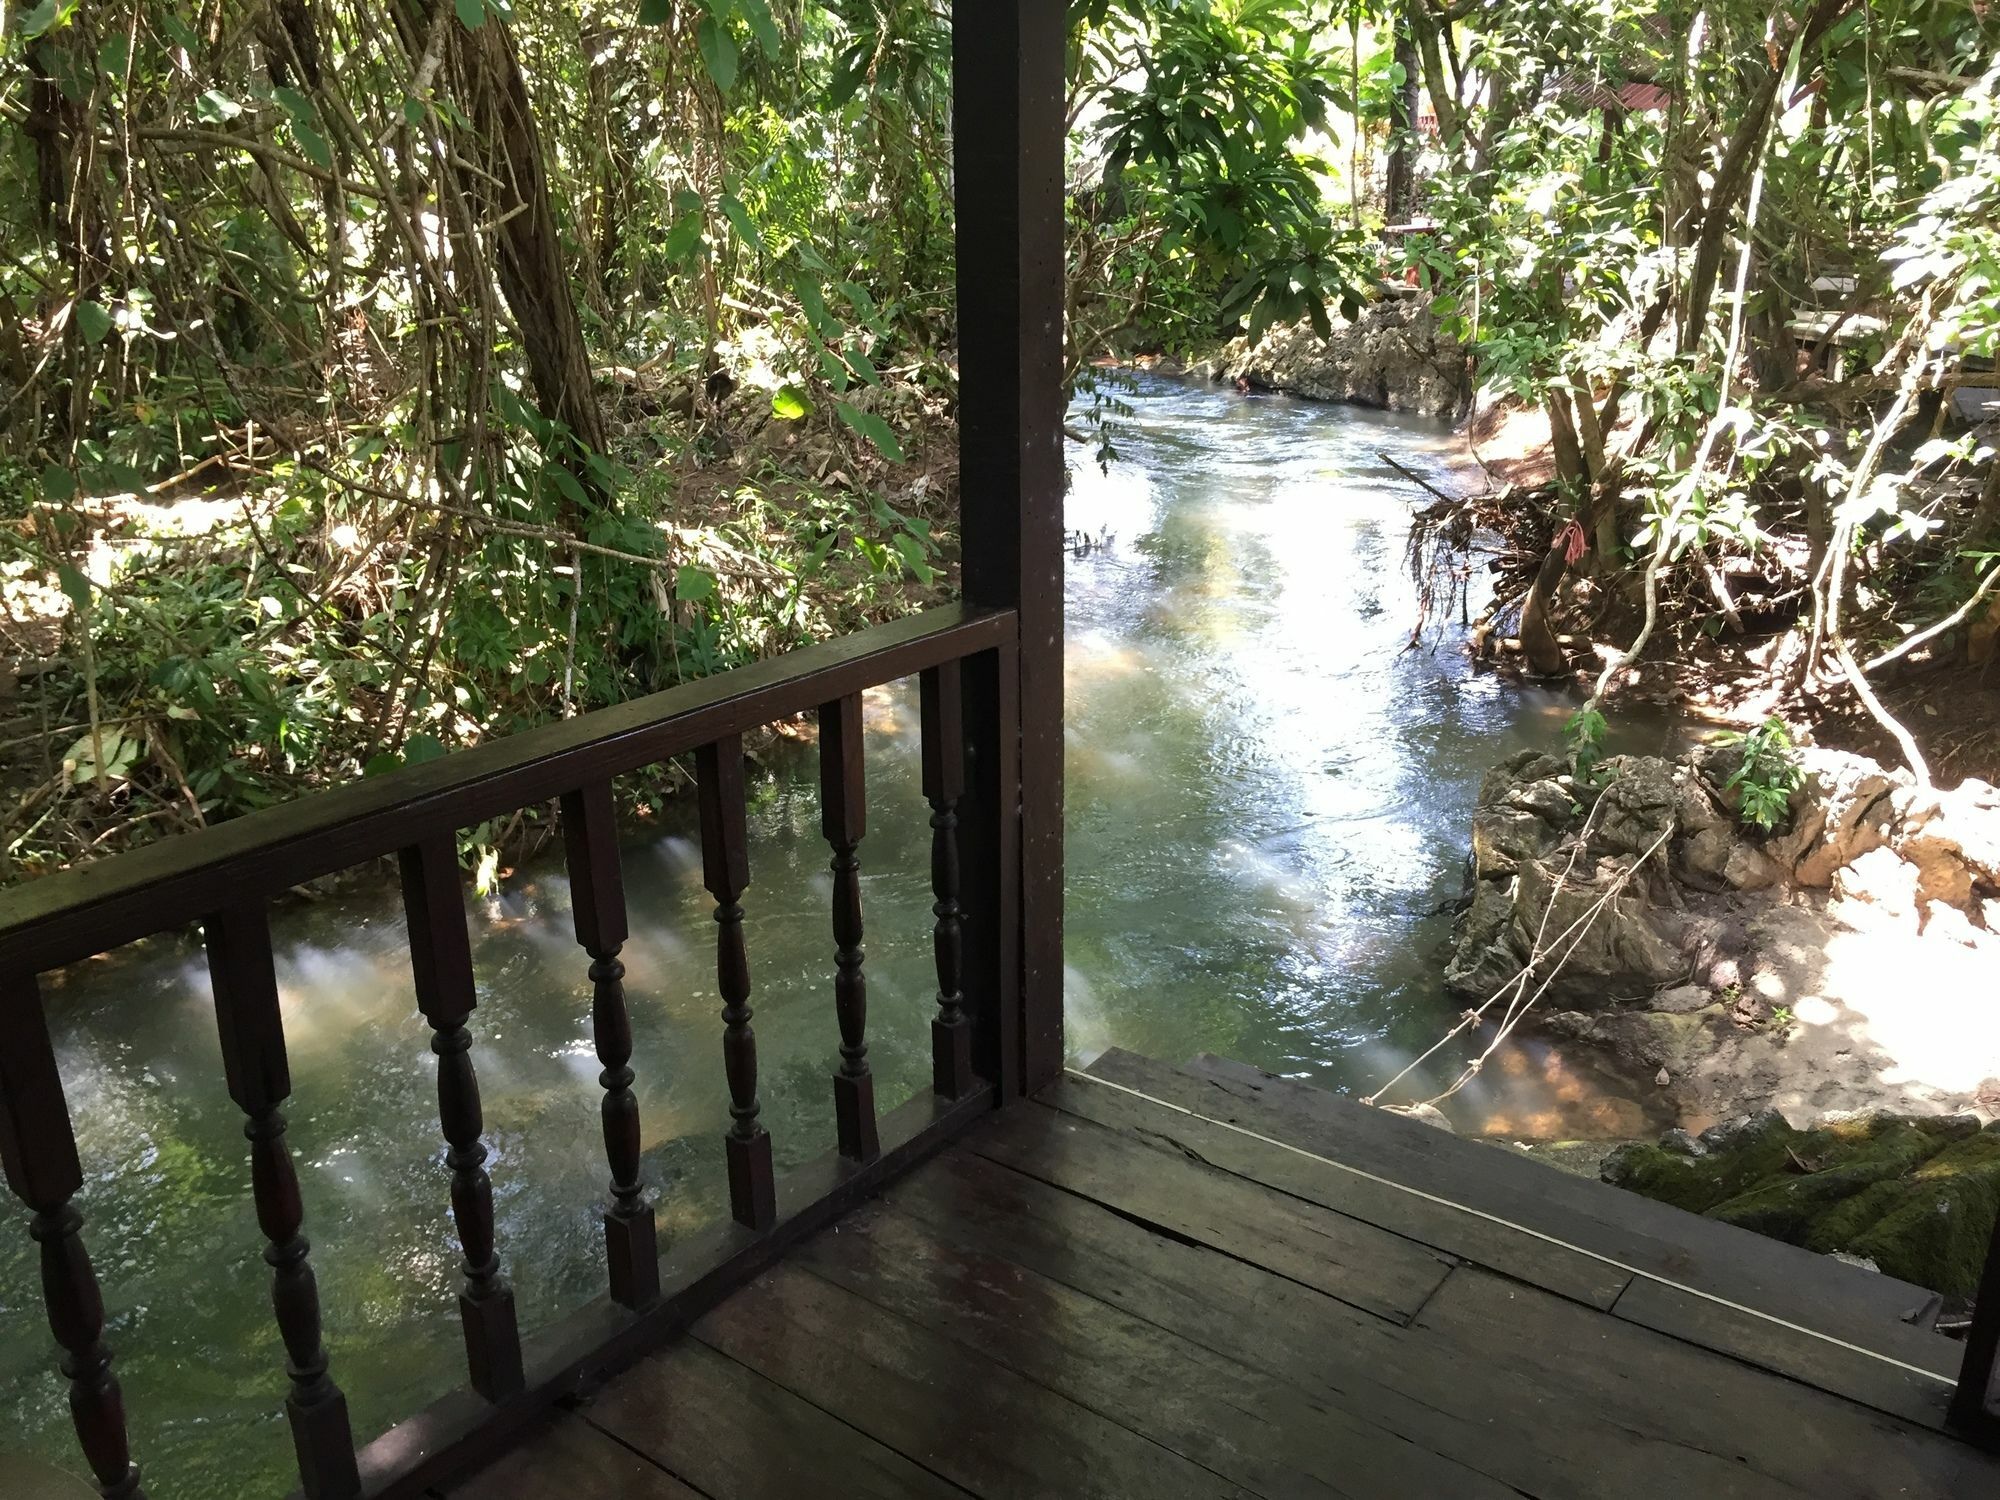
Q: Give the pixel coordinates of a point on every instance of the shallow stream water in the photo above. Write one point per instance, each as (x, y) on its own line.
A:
(1267, 811)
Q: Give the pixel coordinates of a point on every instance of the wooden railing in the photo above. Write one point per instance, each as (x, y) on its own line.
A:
(223, 879)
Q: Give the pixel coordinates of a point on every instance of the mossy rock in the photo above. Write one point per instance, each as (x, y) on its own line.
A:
(1821, 1170)
(1727, 1161)
(1917, 1196)
(1937, 1235)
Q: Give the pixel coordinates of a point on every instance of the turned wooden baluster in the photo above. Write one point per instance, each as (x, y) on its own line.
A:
(597, 898)
(843, 797)
(441, 958)
(245, 981)
(38, 1151)
(753, 1196)
(944, 785)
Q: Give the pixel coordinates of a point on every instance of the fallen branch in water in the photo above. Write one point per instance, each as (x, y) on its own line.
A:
(1417, 479)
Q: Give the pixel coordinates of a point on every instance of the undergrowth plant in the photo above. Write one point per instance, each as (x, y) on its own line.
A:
(1766, 776)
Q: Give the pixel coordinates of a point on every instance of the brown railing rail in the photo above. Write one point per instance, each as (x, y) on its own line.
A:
(220, 879)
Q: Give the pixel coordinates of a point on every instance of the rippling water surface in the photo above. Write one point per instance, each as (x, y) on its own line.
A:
(1268, 798)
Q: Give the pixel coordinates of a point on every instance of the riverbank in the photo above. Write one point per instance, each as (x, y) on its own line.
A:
(1841, 960)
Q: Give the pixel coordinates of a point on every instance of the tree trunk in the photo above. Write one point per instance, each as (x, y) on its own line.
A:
(1544, 653)
(1572, 469)
(1986, 520)
(1733, 177)
(1424, 30)
(1402, 179)
(533, 277)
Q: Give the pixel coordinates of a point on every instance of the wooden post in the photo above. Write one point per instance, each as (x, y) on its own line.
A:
(441, 960)
(38, 1150)
(597, 901)
(1007, 81)
(252, 1028)
(843, 795)
(1975, 1406)
(725, 857)
(943, 699)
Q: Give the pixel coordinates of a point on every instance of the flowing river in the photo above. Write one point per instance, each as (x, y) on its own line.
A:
(1269, 799)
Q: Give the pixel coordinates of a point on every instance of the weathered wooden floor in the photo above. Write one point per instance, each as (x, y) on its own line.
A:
(1102, 1294)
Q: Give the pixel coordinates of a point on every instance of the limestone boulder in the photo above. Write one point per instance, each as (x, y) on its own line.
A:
(1845, 809)
(1393, 355)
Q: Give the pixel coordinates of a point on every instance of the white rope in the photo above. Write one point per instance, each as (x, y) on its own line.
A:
(1515, 1014)
(1548, 1239)
(1514, 989)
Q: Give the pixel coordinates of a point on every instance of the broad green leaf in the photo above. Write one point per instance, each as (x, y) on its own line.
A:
(419, 748)
(75, 585)
(834, 370)
(691, 583)
(94, 321)
(873, 428)
(180, 33)
(862, 365)
(814, 302)
(763, 25)
(684, 239)
(739, 216)
(413, 110)
(912, 553)
(217, 107)
(314, 145)
(863, 304)
(471, 13)
(655, 12)
(115, 56)
(58, 484)
(566, 482)
(718, 52)
(789, 403)
(33, 23)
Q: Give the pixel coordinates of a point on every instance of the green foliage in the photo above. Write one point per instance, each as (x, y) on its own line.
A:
(1583, 736)
(1207, 211)
(1767, 775)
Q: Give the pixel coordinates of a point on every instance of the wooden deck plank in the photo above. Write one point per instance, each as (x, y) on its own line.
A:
(735, 1435)
(1782, 1280)
(1272, 1434)
(1513, 1252)
(1431, 1384)
(1758, 1341)
(569, 1458)
(987, 1429)
(1601, 1407)
(1060, 1306)
(1368, 1267)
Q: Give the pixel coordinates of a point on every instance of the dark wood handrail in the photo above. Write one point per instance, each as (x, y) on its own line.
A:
(76, 914)
(224, 879)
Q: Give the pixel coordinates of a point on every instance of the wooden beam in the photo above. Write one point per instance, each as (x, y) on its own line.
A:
(1007, 79)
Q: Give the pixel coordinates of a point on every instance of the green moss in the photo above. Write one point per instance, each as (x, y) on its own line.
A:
(1917, 1196)
(1754, 1152)
(1847, 1158)
(1938, 1233)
